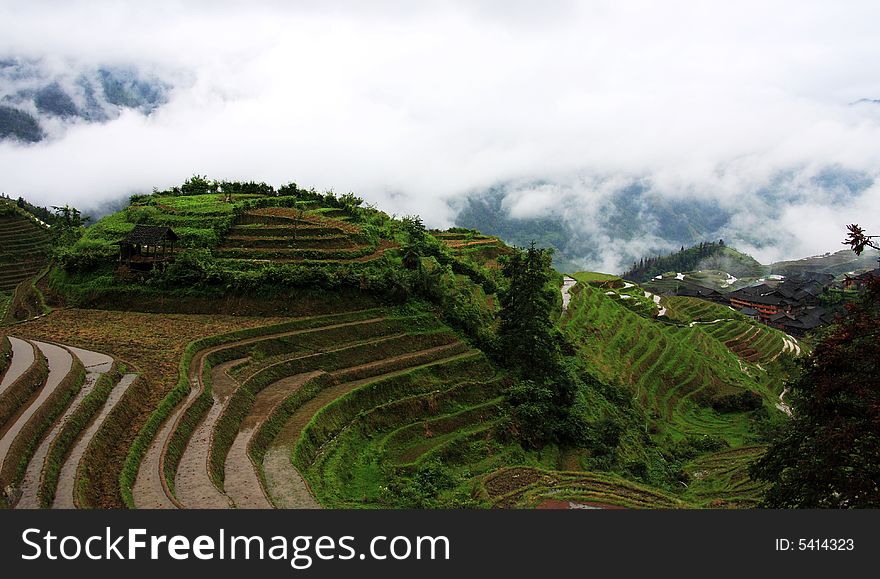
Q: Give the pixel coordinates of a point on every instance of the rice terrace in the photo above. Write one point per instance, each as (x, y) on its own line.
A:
(232, 345)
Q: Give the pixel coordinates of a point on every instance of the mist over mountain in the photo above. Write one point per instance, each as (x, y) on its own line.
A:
(38, 99)
(606, 224)
(608, 130)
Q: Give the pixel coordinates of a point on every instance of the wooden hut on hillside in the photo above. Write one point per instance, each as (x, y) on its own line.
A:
(146, 247)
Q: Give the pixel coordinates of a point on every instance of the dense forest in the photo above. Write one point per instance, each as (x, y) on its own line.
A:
(706, 255)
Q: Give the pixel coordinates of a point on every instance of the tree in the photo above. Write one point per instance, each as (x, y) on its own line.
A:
(527, 332)
(530, 346)
(416, 242)
(828, 454)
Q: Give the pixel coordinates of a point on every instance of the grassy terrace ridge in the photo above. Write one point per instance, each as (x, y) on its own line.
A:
(721, 479)
(331, 451)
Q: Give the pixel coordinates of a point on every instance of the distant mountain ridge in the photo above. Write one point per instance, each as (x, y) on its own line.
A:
(605, 225)
(34, 97)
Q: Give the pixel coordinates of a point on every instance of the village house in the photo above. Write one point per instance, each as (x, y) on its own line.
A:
(798, 324)
(763, 298)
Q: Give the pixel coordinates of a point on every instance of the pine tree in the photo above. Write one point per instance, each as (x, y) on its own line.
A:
(530, 346)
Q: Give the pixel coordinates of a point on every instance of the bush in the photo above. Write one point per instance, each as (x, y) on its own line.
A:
(86, 255)
(744, 401)
(190, 268)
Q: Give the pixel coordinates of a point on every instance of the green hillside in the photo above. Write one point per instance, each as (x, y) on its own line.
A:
(24, 253)
(706, 377)
(298, 349)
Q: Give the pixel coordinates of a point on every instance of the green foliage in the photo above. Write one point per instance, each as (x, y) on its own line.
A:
(85, 255)
(529, 343)
(189, 268)
(422, 489)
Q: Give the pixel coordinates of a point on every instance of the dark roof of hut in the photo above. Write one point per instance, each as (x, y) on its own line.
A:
(149, 235)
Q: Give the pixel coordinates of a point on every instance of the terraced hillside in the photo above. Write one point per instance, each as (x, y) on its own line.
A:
(24, 247)
(290, 235)
(53, 400)
(246, 228)
(255, 394)
(334, 363)
(721, 479)
(471, 245)
(690, 368)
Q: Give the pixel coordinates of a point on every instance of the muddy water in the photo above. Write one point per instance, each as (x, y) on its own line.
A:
(288, 489)
(148, 491)
(93, 361)
(22, 358)
(60, 363)
(64, 494)
(241, 480)
(193, 485)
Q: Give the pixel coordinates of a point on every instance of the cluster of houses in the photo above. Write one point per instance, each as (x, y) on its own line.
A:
(793, 306)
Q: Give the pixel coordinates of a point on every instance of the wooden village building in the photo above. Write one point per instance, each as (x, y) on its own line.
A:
(147, 247)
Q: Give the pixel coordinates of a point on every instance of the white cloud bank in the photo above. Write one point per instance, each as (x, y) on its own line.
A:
(414, 104)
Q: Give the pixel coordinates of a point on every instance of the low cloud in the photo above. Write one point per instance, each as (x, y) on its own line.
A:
(414, 106)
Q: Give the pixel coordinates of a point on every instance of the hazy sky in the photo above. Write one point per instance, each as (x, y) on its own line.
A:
(415, 103)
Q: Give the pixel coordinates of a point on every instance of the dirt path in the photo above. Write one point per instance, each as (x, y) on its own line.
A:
(60, 363)
(64, 494)
(567, 284)
(22, 359)
(193, 485)
(692, 324)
